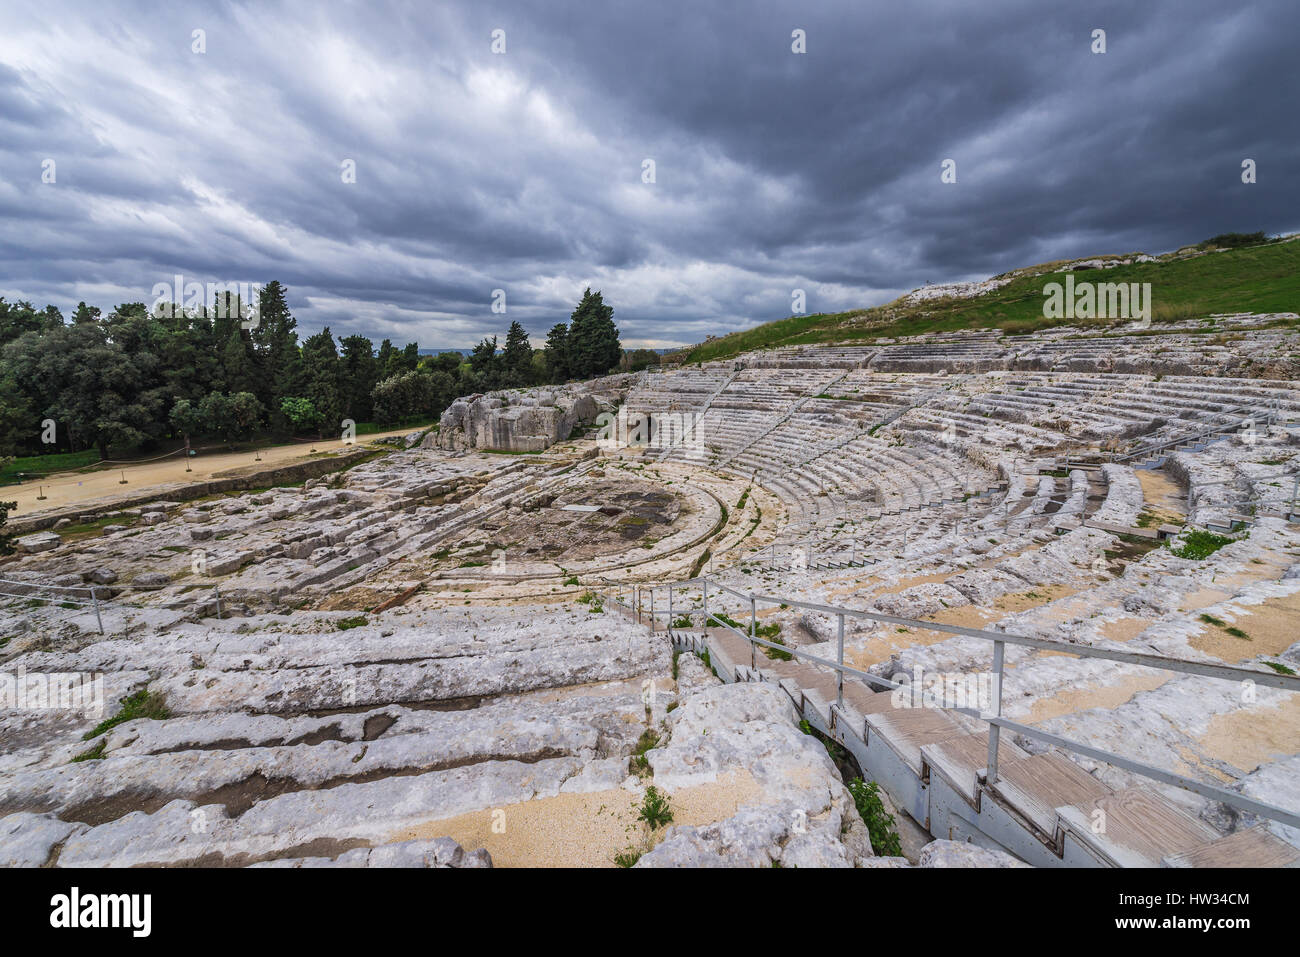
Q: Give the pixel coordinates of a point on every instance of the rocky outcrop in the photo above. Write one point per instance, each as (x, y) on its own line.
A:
(958, 854)
(525, 420)
(801, 816)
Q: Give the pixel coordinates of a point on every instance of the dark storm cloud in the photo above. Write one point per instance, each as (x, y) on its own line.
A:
(522, 171)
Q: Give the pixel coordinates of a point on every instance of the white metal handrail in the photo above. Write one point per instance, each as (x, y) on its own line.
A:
(1000, 640)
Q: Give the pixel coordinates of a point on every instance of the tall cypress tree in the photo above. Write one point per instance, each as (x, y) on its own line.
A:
(276, 341)
(594, 347)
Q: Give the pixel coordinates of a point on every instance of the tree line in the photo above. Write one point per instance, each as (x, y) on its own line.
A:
(138, 378)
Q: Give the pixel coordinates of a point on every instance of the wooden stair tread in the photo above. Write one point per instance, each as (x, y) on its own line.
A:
(1141, 828)
(959, 760)
(735, 648)
(864, 700)
(907, 729)
(1036, 786)
(1252, 847)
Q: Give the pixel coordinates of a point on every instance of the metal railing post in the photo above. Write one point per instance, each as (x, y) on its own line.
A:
(670, 610)
(839, 675)
(753, 632)
(999, 655)
(94, 597)
(652, 609)
(704, 585)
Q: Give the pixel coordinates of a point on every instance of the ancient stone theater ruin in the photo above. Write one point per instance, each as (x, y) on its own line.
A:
(1033, 596)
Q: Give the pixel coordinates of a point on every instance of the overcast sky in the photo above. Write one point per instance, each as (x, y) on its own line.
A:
(523, 170)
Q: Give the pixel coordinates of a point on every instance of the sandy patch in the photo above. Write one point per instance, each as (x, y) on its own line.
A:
(1164, 498)
(583, 830)
(72, 488)
(980, 616)
(1125, 629)
(967, 616)
(1203, 598)
(1249, 737)
(1273, 627)
(1094, 696)
(873, 650)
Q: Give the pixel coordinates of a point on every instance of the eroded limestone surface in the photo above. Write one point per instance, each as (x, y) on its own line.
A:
(440, 634)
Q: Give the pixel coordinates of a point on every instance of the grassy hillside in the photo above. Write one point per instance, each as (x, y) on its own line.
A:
(1254, 279)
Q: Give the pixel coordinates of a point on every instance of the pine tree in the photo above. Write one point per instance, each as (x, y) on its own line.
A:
(360, 373)
(321, 379)
(517, 357)
(558, 361)
(276, 342)
(485, 363)
(594, 345)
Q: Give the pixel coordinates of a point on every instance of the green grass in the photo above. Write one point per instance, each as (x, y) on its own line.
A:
(1253, 279)
(142, 704)
(94, 754)
(44, 464)
(1280, 668)
(359, 621)
(639, 762)
(1199, 544)
(413, 425)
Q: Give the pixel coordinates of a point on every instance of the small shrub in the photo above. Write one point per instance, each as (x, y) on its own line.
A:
(654, 808)
(627, 858)
(880, 823)
(359, 621)
(640, 763)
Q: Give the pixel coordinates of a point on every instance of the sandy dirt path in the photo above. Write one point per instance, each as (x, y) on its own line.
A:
(72, 488)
